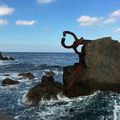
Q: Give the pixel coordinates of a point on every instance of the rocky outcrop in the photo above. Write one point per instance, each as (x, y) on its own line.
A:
(27, 75)
(5, 57)
(47, 89)
(102, 71)
(8, 81)
(99, 70)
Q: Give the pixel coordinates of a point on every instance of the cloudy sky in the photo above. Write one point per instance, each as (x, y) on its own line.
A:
(37, 25)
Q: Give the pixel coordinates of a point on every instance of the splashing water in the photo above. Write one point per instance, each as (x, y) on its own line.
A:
(13, 101)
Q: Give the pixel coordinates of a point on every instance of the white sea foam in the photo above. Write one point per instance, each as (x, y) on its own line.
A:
(2, 77)
(116, 111)
(24, 80)
(24, 99)
(58, 72)
(17, 117)
(62, 97)
(9, 75)
(14, 76)
(53, 109)
(8, 87)
(21, 101)
(53, 71)
(6, 62)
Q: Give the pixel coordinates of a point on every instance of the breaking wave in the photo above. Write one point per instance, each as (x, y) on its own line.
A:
(63, 108)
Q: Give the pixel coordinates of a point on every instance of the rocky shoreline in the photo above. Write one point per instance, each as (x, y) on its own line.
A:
(102, 72)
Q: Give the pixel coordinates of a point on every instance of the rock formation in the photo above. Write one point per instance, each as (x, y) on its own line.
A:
(27, 75)
(99, 71)
(47, 89)
(5, 57)
(102, 71)
(8, 81)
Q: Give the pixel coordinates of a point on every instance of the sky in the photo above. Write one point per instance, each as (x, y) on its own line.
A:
(37, 25)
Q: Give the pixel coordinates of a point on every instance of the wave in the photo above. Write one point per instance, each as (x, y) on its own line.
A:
(7, 67)
(116, 111)
(23, 100)
(13, 76)
(6, 62)
(72, 108)
(47, 66)
(60, 98)
(63, 108)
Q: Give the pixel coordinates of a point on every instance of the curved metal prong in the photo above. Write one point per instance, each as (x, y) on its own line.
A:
(63, 39)
(71, 33)
(63, 43)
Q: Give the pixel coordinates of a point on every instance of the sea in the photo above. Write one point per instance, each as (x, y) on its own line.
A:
(13, 102)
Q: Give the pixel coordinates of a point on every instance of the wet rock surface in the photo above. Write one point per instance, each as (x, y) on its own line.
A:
(47, 89)
(102, 71)
(27, 75)
(9, 81)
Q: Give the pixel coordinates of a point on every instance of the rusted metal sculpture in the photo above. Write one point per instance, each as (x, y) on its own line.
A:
(75, 45)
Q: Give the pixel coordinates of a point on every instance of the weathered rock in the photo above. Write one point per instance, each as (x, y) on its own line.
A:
(47, 89)
(28, 75)
(8, 81)
(5, 57)
(102, 72)
(103, 60)
(74, 85)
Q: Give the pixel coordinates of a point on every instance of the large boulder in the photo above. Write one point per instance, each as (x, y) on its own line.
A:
(102, 71)
(9, 81)
(27, 75)
(46, 90)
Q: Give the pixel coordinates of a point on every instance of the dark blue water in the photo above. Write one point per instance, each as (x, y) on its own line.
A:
(98, 106)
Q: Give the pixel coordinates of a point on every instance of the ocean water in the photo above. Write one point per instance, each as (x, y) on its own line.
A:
(97, 106)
